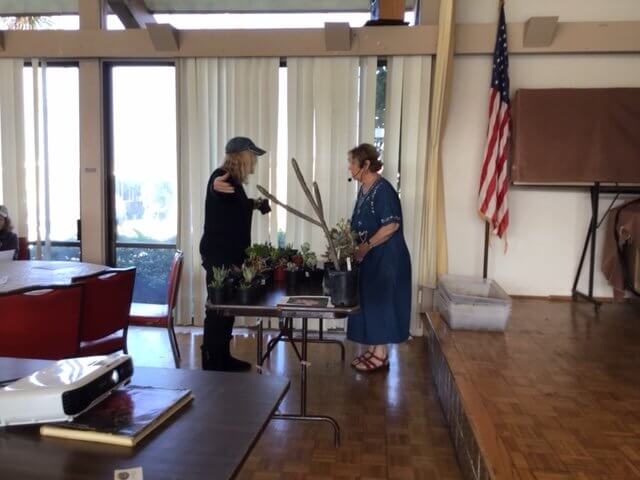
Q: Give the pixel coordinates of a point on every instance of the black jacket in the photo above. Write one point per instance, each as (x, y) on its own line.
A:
(227, 225)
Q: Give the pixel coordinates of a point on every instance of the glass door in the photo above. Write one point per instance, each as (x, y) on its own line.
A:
(143, 157)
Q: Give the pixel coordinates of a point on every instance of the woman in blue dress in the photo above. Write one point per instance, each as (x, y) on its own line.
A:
(385, 268)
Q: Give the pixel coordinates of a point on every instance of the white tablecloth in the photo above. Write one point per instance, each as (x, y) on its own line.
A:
(31, 273)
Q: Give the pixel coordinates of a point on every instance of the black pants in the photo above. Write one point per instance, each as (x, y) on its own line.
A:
(218, 331)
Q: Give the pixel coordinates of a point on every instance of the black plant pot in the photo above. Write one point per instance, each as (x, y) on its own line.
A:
(317, 276)
(312, 277)
(268, 277)
(260, 283)
(230, 290)
(293, 278)
(247, 296)
(342, 287)
(218, 296)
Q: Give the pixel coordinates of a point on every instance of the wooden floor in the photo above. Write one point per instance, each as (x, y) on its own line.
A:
(557, 397)
(392, 423)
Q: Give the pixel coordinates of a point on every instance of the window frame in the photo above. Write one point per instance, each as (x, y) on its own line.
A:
(60, 64)
(109, 159)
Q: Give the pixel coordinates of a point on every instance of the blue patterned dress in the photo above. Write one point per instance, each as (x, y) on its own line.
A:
(385, 273)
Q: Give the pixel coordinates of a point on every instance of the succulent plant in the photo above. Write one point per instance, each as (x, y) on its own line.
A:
(219, 276)
(248, 276)
(309, 258)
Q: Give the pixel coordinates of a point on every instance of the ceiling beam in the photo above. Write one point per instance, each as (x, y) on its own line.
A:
(471, 39)
(132, 13)
(92, 13)
(427, 12)
(164, 37)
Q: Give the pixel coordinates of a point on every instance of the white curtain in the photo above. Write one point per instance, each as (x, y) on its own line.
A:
(12, 143)
(405, 152)
(217, 100)
(323, 113)
(331, 108)
(368, 84)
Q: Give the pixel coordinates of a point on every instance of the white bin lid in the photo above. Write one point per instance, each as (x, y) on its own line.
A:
(472, 290)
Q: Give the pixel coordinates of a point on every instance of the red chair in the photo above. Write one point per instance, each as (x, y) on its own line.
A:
(41, 322)
(153, 314)
(105, 311)
(23, 249)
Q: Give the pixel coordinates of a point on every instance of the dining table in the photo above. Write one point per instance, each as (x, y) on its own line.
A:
(18, 275)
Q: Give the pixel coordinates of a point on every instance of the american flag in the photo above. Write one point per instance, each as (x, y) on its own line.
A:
(494, 181)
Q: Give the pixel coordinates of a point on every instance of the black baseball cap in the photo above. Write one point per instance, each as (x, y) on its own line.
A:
(241, 144)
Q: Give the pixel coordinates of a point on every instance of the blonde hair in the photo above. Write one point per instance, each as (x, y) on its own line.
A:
(240, 165)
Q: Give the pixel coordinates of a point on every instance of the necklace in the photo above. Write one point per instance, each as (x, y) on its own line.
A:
(366, 188)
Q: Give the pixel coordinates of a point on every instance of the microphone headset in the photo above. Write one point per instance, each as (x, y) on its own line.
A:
(350, 179)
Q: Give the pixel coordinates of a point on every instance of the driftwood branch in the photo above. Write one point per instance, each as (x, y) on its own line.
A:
(317, 207)
(316, 192)
(297, 213)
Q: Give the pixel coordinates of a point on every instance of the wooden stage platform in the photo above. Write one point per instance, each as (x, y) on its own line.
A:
(556, 397)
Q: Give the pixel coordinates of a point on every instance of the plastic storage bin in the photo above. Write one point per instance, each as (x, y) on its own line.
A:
(471, 303)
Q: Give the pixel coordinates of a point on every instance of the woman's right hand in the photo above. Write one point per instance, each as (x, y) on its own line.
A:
(221, 185)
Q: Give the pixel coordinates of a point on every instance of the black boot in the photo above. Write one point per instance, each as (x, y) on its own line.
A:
(228, 362)
(215, 348)
(232, 364)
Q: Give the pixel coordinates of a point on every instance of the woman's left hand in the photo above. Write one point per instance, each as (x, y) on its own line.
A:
(363, 249)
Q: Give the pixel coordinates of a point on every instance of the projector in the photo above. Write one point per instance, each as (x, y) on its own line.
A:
(63, 390)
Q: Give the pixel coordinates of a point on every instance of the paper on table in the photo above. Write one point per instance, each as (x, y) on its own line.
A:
(128, 474)
(7, 255)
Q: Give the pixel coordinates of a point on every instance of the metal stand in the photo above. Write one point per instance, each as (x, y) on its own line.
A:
(286, 335)
(289, 337)
(590, 240)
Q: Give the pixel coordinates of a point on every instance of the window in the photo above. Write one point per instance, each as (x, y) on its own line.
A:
(381, 105)
(52, 161)
(256, 20)
(144, 167)
(40, 22)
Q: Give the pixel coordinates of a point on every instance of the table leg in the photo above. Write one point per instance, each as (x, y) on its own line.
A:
(259, 343)
(304, 363)
(287, 325)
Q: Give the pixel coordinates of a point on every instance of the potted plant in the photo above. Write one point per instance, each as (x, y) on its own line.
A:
(279, 263)
(342, 284)
(310, 264)
(342, 279)
(247, 290)
(259, 266)
(218, 288)
(293, 274)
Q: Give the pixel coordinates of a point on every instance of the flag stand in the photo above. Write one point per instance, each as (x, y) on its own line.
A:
(486, 250)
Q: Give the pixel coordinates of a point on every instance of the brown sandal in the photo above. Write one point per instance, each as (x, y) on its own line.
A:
(370, 367)
(360, 358)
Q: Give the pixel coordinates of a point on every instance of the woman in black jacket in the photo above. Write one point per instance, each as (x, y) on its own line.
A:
(227, 234)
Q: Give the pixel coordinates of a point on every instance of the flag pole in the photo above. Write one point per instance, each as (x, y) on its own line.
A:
(486, 250)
